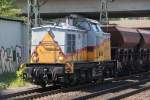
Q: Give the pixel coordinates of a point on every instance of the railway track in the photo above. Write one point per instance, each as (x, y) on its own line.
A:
(133, 90)
(41, 92)
(37, 93)
(130, 93)
(119, 92)
(26, 92)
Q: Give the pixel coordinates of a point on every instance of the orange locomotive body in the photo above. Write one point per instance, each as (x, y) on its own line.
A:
(60, 45)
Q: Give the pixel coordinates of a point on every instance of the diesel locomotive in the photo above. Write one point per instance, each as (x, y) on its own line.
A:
(75, 50)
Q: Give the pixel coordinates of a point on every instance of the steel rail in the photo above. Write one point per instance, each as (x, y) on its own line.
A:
(141, 89)
(117, 88)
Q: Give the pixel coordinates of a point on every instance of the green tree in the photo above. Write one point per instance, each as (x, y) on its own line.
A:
(8, 8)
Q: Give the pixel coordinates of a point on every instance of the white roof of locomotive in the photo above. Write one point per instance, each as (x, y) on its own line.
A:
(93, 21)
(63, 27)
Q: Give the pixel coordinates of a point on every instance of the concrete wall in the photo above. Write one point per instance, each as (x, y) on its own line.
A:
(12, 45)
(67, 6)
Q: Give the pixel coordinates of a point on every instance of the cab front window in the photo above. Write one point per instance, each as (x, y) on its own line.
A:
(83, 25)
(95, 27)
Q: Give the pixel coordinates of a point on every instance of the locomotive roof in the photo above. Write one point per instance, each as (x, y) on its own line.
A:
(81, 17)
(63, 27)
(91, 20)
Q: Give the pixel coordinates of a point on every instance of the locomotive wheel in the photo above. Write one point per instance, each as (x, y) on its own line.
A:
(101, 80)
(43, 85)
(89, 75)
(70, 80)
(73, 79)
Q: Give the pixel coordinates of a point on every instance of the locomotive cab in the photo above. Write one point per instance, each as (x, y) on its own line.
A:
(98, 44)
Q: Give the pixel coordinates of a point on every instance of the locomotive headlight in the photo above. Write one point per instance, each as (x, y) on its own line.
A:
(61, 58)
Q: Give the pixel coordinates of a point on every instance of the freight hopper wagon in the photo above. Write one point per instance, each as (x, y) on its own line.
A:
(130, 47)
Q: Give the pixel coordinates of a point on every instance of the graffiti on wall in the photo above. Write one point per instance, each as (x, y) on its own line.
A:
(10, 58)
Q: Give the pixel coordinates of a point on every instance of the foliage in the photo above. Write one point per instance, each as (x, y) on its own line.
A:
(20, 73)
(3, 85)
(5, 79)
(8, 8)
(18, 82)
(10, 80)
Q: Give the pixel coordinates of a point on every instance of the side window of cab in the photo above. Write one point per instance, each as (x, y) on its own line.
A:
(71, 43)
